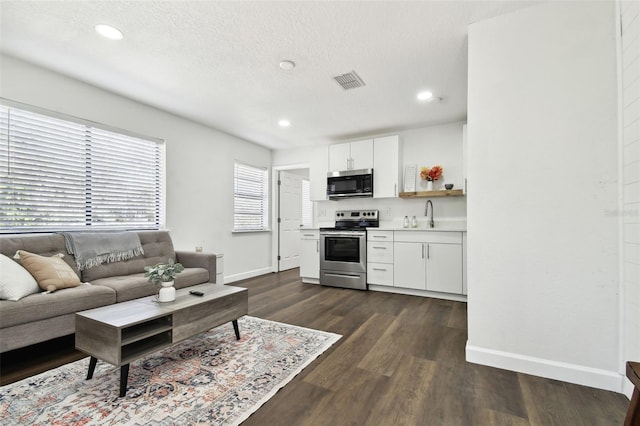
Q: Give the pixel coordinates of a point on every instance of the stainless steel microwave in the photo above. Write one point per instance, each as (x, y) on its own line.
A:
(350, 183)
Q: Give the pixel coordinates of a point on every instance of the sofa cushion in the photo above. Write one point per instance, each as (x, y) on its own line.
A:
(134, 286)
(42, 305)
(44, 245)
(15, 281)
(51, 273)
(157, 246)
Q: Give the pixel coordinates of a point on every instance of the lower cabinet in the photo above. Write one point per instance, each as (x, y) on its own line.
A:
(444, 267)
(409, 265)
(428, 261)
(309, 254)
(380, 258)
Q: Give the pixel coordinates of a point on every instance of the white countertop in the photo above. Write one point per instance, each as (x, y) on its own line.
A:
(443, 226)
(437, 228)
(396, 225)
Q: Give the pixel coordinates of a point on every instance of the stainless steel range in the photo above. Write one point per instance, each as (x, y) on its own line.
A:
(343, 249)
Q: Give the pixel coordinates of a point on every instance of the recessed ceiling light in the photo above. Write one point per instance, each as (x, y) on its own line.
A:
(284, 123)
(109, 32)
(287, 65)
(424, 96)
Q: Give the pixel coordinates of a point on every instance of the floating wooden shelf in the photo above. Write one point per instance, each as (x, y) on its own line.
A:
(425, 194)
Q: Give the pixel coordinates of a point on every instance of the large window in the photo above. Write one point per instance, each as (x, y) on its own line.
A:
(60, 173)
(250, 198)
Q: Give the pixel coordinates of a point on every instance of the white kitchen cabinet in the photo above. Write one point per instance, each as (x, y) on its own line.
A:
(318, 169)
(380, 274)
(444, 267)
(428, 261)
(351, 156)
(309, 255)
(386, 167)
(380, 258)
(361, 154)
(409, 269)
(339, 157)
(380, 252)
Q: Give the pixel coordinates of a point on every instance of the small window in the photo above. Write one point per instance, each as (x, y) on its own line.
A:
(60, 173)
(307, 205)
(250, 198)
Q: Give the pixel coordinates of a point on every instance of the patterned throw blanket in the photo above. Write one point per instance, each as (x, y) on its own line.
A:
(95, 248)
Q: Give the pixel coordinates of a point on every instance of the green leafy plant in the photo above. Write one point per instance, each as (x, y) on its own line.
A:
(163, 272)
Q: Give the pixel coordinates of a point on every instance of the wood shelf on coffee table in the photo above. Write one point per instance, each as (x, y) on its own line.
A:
(121, 333)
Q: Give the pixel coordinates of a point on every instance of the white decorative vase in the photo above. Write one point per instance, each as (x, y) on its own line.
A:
(167, 293)
(428, 185)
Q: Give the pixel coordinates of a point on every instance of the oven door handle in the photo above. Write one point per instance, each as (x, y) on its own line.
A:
(344, 233)
(328, 274)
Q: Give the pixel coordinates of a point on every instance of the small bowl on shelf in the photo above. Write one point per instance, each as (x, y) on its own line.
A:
(448, 186)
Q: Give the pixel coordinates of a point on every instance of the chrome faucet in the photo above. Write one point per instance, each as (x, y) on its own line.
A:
(426, 212)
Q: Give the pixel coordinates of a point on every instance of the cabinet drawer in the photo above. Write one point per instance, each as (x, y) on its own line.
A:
(380, 252)
(309, 234)
(380, 273)
(379, 235)
(445, 237)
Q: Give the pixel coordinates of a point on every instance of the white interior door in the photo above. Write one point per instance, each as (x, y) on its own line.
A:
(290, 214)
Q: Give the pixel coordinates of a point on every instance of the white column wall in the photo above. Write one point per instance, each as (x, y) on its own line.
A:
(630, 135)
(542, 181)
(199, 161)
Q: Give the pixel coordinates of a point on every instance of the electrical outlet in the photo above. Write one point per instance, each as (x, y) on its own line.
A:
(198, 249)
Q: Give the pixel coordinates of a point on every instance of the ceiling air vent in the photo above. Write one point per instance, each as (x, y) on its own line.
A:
(350, 80)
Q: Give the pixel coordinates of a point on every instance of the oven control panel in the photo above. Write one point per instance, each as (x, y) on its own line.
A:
(356, 215)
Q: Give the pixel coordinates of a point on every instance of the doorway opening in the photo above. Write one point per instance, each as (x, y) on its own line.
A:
(292, 210)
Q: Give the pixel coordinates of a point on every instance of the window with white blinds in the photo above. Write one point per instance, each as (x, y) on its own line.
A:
(250, 198)
(58, 174)
(307, 205)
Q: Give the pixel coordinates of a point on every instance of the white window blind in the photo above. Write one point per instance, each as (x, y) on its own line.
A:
(58, 174)
(250, 202)
(307, 205)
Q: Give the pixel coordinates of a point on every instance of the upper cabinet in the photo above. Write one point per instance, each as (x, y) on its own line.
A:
(380, 154)
(386, 167)
(351, 156)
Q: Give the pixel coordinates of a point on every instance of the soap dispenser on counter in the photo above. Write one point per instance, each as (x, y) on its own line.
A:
(405, 223)
(414, 222)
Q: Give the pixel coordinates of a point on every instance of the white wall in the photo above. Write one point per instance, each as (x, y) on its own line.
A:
(630, 164)
(542, 244)
(426, 146)
(199, 190)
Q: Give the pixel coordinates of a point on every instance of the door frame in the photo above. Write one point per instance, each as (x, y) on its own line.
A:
(275, 210)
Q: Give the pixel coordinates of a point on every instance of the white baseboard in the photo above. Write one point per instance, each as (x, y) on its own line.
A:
(422, 293)
(627, 388)
(572, 373)
(244, 275)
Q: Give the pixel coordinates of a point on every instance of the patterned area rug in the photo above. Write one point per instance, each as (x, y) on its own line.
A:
(209, 379)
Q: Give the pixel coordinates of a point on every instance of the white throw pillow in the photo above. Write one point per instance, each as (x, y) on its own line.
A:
(15, 281)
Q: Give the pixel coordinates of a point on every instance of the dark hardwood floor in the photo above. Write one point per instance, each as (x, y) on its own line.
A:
(400, 362)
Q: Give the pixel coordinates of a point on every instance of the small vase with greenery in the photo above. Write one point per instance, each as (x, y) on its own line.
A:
(163, 274)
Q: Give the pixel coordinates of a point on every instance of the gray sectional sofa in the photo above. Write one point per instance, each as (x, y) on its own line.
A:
(40, 317)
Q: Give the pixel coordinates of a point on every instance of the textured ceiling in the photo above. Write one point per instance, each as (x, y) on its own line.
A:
(217, 62)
